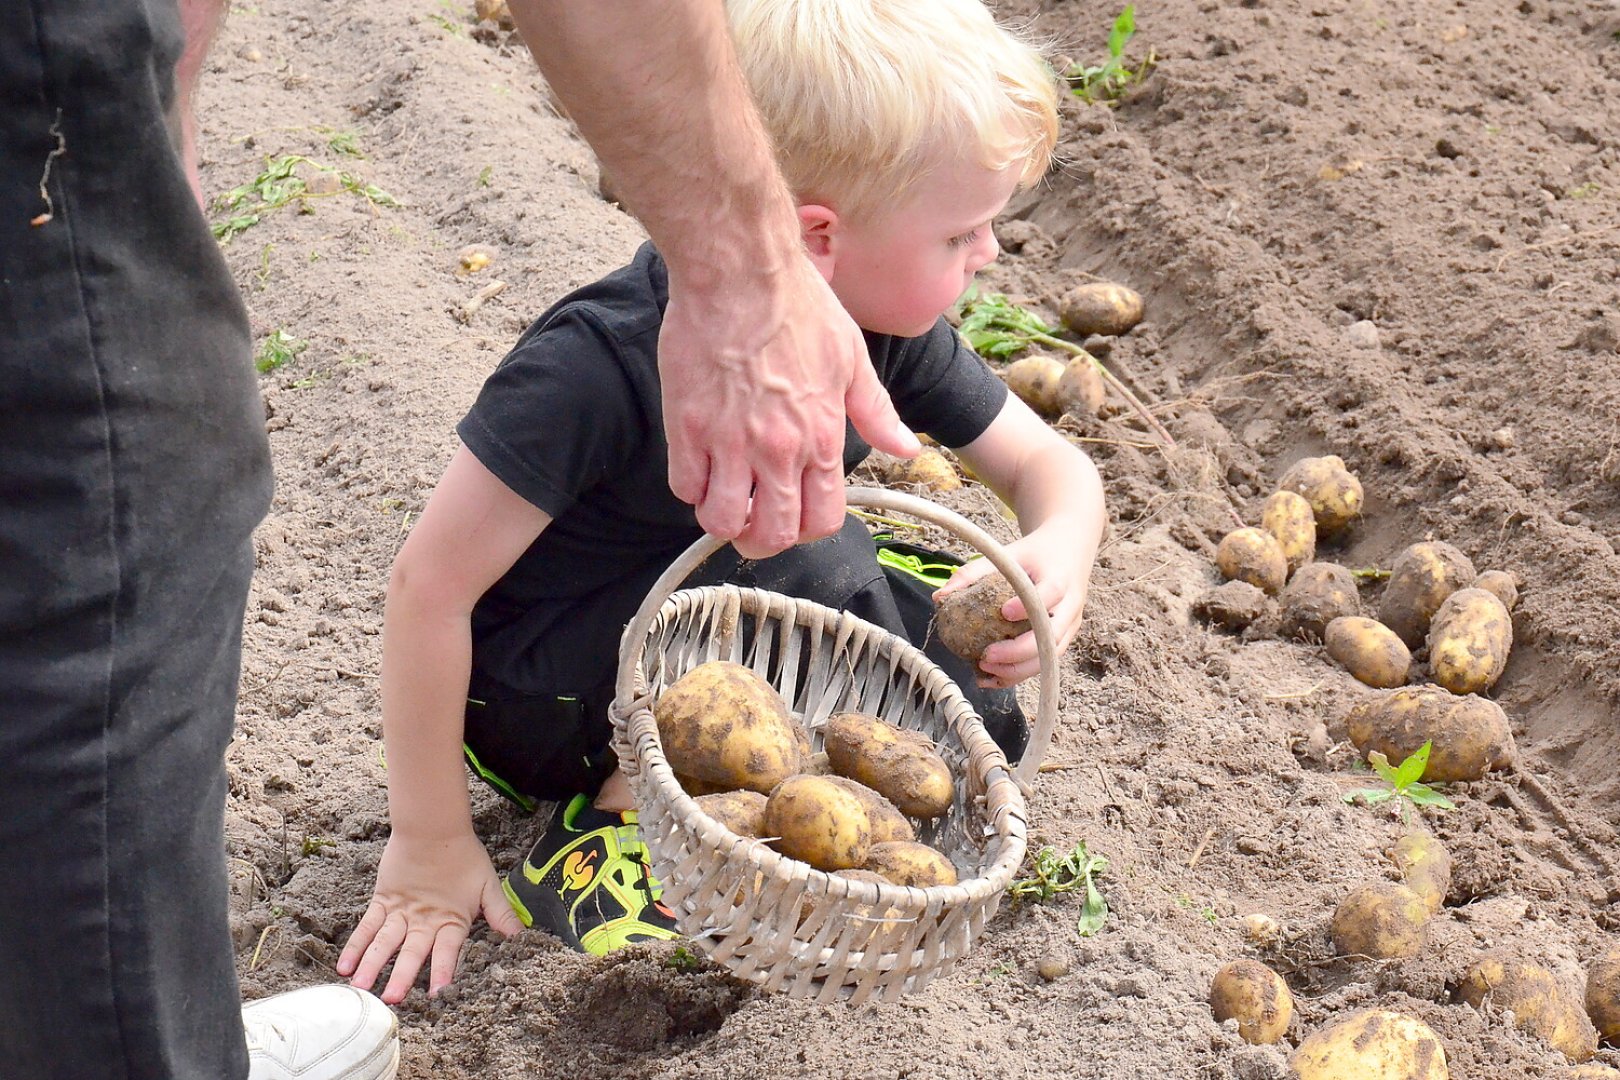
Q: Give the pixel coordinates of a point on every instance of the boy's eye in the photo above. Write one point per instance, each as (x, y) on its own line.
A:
(965, 239)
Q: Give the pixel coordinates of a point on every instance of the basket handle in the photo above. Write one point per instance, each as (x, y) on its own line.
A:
(635, 635)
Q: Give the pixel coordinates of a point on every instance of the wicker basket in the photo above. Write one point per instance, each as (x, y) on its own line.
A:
(776, 921)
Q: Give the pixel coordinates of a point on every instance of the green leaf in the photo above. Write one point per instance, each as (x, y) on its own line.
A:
(1411, 770)
(1424, 795)
(1371, 796)
(1381, 766)
(1124, 27)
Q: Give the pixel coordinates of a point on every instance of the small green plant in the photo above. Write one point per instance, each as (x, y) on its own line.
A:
(485, 175)
(280, 185)
(450, 22)
(312, 844)
(346, 143)
(684, 960)
(279, 348)
(1585, 191)
(1108, 81)
(1055, 872)
(1405, 784)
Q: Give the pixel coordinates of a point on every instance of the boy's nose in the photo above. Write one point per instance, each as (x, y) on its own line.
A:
(987, 250)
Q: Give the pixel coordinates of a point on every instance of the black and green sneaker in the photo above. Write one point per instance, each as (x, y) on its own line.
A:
(587, 881)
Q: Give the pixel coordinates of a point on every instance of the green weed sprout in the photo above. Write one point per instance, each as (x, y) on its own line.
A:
(279, 348)
(1056, 873)
(1404, 782)
(1108, 81)
(280, 185)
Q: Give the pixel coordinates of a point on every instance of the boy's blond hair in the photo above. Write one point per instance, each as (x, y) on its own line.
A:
(863, 98)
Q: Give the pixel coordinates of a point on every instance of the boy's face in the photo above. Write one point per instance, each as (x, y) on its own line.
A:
(897, 271)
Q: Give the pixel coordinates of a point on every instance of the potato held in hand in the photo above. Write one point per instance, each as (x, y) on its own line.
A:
(1369, 650)
(1254, 556)
(1332, 490)
(1289, 518)
(1382, 920)
(1470, 734)
(818, 822)
(899, 765)
(1540, 1006)
(1469, 640)
(721, 723)
(969, 620)
(1256, 997)
(1372, 1045)
(1419, 582)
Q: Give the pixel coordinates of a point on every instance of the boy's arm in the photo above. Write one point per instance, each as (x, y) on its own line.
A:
(1055, 490)
(435, 875)
(760, 362)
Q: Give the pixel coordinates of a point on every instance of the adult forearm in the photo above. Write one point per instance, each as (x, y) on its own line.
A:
(427, 657)
(655, 89)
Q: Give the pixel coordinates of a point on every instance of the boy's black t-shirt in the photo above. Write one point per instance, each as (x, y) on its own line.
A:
(571, 420)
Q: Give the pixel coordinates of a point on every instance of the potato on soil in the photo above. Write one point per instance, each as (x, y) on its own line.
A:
(1255, 556)
(1382, 920)
(1425, 866)
(1375, 1044)
(743, 812)
(721, 723)
(1256, 997)
(1287, 516)
(969, 620)
(1035, 379)
(1332, 490)
(1369, 650)
(1100, 307)
(1500, 584)
(494, 11)
(1592, 1071)
(1318, 593)
(1470, 734)
(1233, 604)
(1470, 637)
(1081, 391)
(1262, 930)
(906, 862)
(888, 823)
(816, 821)
(1603, 996)
(1419, 582)
(930, 470)
(1540, 1006)
(900, 765)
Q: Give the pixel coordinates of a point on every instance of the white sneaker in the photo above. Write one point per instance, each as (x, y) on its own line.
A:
(332, 1032)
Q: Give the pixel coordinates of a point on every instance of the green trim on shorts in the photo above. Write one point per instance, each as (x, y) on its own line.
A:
(496, 782)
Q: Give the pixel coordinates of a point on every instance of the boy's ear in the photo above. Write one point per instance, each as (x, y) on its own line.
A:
(818, 228)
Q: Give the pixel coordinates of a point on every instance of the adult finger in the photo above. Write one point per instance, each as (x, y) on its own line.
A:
(723, 510)
(446, 955)
(688, 470)
(872, 412)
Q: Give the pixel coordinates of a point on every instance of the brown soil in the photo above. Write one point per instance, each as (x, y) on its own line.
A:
(1448, 172)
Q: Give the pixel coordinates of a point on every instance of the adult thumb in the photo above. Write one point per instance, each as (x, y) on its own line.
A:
(872, 413)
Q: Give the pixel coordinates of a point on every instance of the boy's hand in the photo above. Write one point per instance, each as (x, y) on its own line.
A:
(757, 379)
(1048, 559)
(426, 897)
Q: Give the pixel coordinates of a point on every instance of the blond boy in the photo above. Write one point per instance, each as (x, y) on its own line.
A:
(903, 127)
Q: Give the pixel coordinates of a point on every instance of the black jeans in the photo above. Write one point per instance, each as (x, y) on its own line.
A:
(133, 468)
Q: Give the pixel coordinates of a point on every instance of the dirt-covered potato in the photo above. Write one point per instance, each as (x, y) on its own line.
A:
(1470, 734)
(1262, 930)
(1425, 866)
(494, 11)
(930, 470)
(817, 764)
(1256, 997)
(1233, 605)
(1470, 637)
(817, 821)
(1332, 490)
(1287, 516)
(721, 723)
(1035, 380)
(1318, 593)
(1100, 307)
(1541, 1006)
(1382, 920)
(743, 812)
(1255, 556)
(1419, 582)
(888, 823)
(906, 862)
(1374, 1044)
(1500, 584)
(1592, 1071)
(969, 620)
(1081, 391)
(1369, 650)
(695, 787)
(900, 765)
(1603, 996)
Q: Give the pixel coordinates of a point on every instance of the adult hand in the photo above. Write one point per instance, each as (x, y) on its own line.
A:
(425, 900)
(757, 383)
